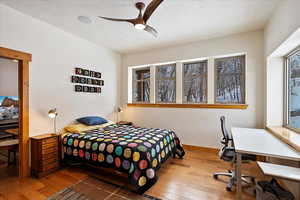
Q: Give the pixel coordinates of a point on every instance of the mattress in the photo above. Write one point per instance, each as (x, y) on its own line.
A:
(138, 152)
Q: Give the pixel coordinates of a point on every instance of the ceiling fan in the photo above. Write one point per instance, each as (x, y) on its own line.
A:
(140, 22)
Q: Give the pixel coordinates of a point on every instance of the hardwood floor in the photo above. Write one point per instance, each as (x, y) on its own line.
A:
(187, 179)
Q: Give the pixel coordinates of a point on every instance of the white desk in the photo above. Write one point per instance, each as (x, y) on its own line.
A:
(258, 142)
(281, 171)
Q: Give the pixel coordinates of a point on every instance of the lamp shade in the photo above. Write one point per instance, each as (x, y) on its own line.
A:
(52, 113)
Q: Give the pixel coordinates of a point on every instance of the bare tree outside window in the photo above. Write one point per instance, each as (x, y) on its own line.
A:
(293, 93)
(141, 85)
(166, 83)
(195, 82)
(230, 80)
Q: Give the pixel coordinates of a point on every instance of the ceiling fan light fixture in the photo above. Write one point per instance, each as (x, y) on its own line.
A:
(140, 26)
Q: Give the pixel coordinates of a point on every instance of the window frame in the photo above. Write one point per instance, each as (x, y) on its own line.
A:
(156, 81)
(244, 80)
(135, 81)
(286, 100)
(205, 75)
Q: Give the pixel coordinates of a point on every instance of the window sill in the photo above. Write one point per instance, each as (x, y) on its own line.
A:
(288, 136)
(169, 105)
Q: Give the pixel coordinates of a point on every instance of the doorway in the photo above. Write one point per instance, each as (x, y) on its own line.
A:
(22, 59)
(9, 117)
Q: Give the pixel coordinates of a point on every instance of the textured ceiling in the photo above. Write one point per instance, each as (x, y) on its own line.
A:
(177, 21)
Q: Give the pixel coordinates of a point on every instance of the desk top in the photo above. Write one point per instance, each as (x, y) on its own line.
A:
(281, 171)
(261, 142)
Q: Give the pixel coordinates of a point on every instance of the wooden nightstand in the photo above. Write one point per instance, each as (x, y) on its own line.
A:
(125, 123)
(45, 154)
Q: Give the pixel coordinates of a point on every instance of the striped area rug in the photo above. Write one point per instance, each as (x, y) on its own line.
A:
(95, 189)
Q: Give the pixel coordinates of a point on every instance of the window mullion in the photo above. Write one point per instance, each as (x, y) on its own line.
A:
(210, 81)
(152, 83)
(179, 78)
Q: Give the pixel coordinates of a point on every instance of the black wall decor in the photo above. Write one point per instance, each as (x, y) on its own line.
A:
(82, 77)
(86, 72)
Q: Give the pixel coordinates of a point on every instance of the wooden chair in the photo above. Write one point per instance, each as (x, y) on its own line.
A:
(11, 146)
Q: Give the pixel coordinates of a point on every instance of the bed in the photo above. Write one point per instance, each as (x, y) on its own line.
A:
(138, 152)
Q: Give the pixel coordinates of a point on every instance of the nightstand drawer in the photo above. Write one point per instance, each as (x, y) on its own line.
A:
(49, 140)
(48, 161)
(48, 156)
(50, 166)
(49, 145)
(49, 150)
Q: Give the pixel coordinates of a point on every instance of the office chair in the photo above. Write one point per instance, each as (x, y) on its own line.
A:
(227, 153)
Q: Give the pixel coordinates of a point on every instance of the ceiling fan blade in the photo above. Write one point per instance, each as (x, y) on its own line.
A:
(151, 30)
(133, 21)
(151, 8)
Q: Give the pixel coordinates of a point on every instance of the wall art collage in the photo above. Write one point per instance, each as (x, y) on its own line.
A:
(87, 81)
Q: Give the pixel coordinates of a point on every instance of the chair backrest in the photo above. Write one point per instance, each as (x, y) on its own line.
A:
(226, 138)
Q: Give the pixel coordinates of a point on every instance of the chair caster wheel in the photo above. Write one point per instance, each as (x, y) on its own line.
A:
(228, 189)
(215, 176)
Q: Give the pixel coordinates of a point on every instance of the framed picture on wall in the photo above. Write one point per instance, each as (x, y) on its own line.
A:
(95, 82)
(86, 72)
(78, 71)
(83, 80)
(75, 79)
(98, 89)
(86, 88)
(78, 88)
(89, 81)
(97, 75)
(102, 82)
(92, 74)
(92, 89)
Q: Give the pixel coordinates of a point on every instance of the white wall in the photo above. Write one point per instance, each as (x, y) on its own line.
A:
(275, 92)
(8, 77)
(284, 21)
(282, 35)
(55, 54)
(201, 126)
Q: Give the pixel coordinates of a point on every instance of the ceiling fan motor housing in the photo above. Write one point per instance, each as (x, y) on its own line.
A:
(140, 5)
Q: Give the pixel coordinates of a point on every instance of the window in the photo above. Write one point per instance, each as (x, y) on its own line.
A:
(166, 83)
(293, 90)
(141, 85)
(230, 80)
(190, 83)
(195, 82)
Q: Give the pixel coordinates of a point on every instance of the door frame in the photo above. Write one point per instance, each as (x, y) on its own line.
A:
(23, 83)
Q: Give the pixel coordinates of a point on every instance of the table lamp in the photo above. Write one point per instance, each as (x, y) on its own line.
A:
(53, 114)
(119, 110)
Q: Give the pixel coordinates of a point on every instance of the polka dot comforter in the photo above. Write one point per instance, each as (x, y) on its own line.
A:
(139, 152)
